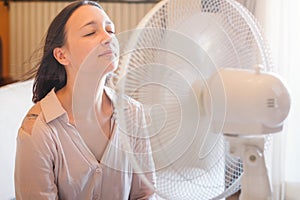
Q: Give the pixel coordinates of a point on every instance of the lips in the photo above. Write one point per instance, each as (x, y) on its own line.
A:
(107, 53)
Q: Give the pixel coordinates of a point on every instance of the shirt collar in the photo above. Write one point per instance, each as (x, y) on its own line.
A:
(111, 94)
(117, 99)
(51, 107)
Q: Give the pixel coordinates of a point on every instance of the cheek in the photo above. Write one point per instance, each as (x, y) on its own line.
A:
(78, 55)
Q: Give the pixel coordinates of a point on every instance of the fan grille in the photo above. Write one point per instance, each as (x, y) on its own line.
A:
(180, 43)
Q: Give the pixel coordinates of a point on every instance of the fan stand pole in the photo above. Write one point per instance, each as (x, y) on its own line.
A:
(255, 183)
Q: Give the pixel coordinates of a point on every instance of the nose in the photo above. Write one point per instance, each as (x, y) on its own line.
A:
(106, 39)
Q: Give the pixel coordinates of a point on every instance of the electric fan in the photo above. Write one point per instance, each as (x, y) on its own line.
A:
(203, 72)
(204, 75)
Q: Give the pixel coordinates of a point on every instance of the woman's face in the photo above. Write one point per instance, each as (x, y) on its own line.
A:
(88, 27)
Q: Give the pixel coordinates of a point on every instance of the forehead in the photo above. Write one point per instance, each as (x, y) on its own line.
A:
(85, 14)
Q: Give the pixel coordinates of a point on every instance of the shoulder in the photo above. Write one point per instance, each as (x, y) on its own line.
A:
(31, 117)
(136, 111)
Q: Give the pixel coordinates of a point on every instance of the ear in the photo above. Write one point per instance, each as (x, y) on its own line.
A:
(59, 55)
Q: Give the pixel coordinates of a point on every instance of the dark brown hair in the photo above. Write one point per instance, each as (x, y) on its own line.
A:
(50, 73)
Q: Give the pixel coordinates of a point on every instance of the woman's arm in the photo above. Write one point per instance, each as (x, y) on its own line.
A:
(34, 168)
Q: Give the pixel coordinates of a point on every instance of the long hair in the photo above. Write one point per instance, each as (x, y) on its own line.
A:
(50, 73)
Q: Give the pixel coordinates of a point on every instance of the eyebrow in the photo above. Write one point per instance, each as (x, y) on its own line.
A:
(93, 22)
(87, 24)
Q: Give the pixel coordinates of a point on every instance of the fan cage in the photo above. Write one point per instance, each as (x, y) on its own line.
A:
(244, 48)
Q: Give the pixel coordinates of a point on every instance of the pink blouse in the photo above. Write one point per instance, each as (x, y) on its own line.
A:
(53, 162)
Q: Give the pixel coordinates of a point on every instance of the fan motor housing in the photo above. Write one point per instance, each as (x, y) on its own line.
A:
(246, 101)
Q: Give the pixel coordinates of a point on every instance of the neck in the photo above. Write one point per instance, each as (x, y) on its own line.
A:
(105, 107)
(103, 104)
(64, 95)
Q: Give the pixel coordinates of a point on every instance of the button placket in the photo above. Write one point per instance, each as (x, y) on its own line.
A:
(96, 197)
(98, 182)
(98, 170)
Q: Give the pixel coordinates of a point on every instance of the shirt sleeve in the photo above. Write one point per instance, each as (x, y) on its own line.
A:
(34, 166)
(141, 188)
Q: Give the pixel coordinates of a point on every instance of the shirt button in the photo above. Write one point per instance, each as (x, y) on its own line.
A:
(98, 170)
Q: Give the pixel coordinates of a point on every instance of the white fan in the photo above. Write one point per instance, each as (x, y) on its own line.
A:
(203, 72)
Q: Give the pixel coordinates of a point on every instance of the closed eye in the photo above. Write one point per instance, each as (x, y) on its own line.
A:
(111, 32)
(110, 28)
(89, 34)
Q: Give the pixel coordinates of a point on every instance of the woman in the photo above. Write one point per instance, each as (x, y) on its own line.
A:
(54, 160)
